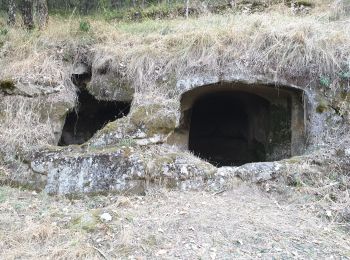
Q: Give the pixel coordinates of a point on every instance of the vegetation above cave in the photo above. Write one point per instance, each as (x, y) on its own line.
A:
(153, 52)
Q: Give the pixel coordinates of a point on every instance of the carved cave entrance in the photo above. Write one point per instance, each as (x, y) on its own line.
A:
(89, 116)
(233, 124)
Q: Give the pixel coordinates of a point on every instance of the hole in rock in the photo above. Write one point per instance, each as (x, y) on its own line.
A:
(81, 80)
(234, 124)
(89, 116)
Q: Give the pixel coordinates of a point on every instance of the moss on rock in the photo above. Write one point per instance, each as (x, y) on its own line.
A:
(87, 221)
(322, 107)
(7, 85)
(156, 117)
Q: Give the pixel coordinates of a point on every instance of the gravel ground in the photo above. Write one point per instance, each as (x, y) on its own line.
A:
(242, 223)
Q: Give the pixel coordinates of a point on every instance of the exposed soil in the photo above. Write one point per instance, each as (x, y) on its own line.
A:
(242, 223)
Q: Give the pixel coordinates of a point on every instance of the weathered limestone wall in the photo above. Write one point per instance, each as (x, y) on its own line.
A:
(149, 146)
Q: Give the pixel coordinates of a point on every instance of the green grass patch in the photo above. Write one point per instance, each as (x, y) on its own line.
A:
(84, 26)
(3, 195)
(7, 84)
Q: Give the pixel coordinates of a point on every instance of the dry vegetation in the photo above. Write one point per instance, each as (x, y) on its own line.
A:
(275, 43)
(21, 125)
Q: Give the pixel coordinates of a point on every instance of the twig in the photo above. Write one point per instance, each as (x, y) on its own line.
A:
(219, 192)
(328, 186)
(100, 252)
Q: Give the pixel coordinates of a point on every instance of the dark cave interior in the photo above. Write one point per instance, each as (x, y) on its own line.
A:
(231, 128)
(89, 116)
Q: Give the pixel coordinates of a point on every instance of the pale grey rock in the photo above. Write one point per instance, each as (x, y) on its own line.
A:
(108, 81)
(106, 217)
(258, 172)
(129, 153)
(79, 172)
(227, 171)
(347, 152)
(80, 69)
(118, 169)
(253, 172)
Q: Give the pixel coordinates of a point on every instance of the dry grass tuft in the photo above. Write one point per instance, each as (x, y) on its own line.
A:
(22, 127)
(340, 9)
(331, 193)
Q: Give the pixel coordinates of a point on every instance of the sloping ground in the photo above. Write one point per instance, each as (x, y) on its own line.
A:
(242, 223)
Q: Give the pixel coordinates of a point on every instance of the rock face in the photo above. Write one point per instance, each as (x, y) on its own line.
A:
(150, 146)
(119, 169)
(107, 80)
(255, 172)
(71, 172)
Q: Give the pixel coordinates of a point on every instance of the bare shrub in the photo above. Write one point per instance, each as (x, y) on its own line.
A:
(332, 191)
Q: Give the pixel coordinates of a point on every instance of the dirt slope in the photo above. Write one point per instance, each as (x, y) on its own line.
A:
(242, 223)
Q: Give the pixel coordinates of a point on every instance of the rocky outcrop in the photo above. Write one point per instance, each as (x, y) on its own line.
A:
(108, 81)
(124, 169)
(150, 122)
(150, 145)
(133, 169)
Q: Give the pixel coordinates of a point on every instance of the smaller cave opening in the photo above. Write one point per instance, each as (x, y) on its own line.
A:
(82, 79)
(89, 116)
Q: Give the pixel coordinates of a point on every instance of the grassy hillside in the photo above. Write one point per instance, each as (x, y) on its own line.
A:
(308, 43)
(278, 43)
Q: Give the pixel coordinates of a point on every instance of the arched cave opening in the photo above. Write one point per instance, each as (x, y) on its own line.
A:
(89, 116)
(230, 124)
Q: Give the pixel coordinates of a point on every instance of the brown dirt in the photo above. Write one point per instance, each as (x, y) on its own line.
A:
(242, 223)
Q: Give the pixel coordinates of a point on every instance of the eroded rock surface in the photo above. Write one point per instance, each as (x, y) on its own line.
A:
(119, 169)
